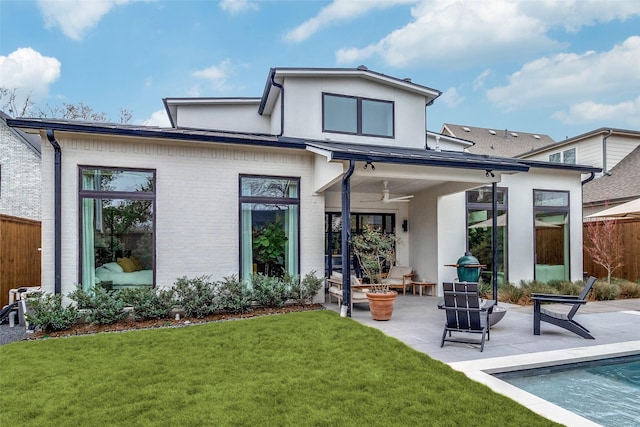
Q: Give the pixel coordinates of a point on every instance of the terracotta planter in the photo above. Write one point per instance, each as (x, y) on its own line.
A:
(381, 305)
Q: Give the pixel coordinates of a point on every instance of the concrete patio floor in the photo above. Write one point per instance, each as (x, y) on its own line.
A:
(418, 322)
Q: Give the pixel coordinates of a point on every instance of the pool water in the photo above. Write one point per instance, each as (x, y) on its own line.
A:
(604, 391)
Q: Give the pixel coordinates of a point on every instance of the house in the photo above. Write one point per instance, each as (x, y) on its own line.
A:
(136, 206)
(19, 172)
(616, 151)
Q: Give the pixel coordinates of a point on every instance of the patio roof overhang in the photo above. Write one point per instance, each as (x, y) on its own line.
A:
(407, 156)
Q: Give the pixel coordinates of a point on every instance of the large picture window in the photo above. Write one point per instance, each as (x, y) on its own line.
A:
(117, 217)
(359, 116)
(551, 224)
(480, 229)
(269, 226)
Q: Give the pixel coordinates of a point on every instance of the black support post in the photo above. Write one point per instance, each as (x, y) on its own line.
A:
(345, 310)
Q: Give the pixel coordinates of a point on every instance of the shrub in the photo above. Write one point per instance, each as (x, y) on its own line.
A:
(629, 290)
(603, 291)
(235, 296)
(508, 292)
(196, 296)
(149, 303)
(82, 298)
(47, 313)
(269, 291)
(485, 289)
(570, 288)
(304, 290)
(106, 307)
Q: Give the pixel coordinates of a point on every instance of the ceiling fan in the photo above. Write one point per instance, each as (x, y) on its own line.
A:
(385, 198)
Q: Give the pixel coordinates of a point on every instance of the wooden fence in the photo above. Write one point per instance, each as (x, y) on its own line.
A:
(19, 254)
(628, 232)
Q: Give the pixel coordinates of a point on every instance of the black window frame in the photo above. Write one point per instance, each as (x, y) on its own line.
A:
(551, 209)
(359, 100)
(489, 207)
(97, 194)
(268, 200)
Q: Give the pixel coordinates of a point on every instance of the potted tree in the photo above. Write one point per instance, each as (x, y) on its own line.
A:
(374, 250)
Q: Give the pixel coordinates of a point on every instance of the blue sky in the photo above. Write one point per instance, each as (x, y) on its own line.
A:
(560, 68)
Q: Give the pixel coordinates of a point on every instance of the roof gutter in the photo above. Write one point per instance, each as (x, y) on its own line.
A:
(281, 87)
(57, 167)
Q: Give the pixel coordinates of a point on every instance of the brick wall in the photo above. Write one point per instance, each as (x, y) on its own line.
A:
(19, 177)
(197, 210)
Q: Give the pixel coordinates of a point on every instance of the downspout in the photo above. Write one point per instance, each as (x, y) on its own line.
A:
(57, 168)
(281, 87)
(605, 171)
(494, 240)
(345, 310)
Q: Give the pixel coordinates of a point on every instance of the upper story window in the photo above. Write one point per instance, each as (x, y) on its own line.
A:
(358, 116)
(566, 156)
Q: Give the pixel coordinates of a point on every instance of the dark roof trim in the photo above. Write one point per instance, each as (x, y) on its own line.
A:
(31, 141)
(382, 154)
(562, 166)
(155, 132)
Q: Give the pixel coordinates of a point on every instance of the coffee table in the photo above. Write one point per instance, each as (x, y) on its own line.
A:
(421, 284)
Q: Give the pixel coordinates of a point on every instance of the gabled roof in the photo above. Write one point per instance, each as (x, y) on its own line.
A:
(278, 74)
(591, 134)
(31, 141)
(621, 185)
(496, 142)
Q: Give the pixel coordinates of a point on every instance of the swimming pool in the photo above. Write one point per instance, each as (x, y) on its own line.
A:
(605, 391)
(485, 371)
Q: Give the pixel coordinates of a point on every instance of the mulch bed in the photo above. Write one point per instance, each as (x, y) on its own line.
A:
(132, 324)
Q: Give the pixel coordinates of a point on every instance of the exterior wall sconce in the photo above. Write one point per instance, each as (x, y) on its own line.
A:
(405, 225)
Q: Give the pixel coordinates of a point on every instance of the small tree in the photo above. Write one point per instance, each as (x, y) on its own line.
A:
(373, 250)
(603, 245)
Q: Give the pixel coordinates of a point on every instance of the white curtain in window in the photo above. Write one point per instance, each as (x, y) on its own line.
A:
(291, 228)
(247, 243)
(88, 244)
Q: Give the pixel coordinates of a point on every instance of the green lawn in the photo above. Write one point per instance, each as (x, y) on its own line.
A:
(308, 368)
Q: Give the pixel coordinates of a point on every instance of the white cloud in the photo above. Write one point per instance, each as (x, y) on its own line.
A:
(338, 10)
(451, 97)
(572, 78)
(478, 82)
(216, 75)
(466, 32)
(29, 72)
(627, 112)
(237, 6)
(158, 118)
(76, 17)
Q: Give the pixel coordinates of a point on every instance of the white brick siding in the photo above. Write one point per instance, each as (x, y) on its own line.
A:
(197, 210)
(20, 177)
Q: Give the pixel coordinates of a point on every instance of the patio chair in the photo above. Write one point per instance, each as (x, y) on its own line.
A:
(464, 314)
(559, 318)
(358, 292)
(399, 276)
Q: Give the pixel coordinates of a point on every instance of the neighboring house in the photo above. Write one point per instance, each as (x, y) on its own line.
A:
(616, 151)
(19, 172)
(319, 144)
(496, 142)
